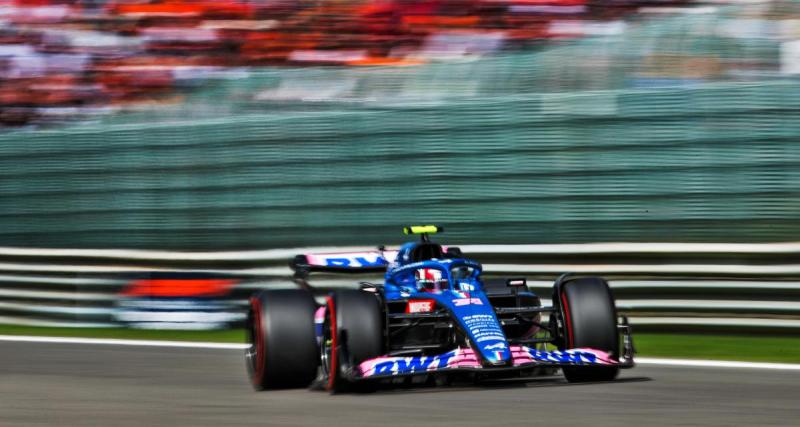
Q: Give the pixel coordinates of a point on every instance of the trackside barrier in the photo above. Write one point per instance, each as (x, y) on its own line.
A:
(665, 286)
(691, 161)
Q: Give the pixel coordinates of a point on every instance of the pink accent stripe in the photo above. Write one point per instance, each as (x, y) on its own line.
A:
(319, 315)
(521, 356)
(321, 258)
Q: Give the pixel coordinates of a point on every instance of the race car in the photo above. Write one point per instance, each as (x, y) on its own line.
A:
(434, 315)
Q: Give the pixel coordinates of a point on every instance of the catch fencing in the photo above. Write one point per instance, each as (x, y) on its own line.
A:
(678, 129)
(663, 286)
(674, 164)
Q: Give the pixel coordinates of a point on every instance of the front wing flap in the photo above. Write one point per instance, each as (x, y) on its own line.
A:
(465, 359)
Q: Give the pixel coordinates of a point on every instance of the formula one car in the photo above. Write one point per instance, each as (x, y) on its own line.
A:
(433, 316)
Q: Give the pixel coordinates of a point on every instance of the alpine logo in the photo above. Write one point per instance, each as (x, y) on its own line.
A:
(496, 346)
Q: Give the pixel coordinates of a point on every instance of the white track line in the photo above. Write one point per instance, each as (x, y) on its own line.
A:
(110, 341)
(280, 254)
(716, 364)
(211, 345)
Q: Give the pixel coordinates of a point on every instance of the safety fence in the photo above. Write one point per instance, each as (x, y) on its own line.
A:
(680, 129)
(697, 287)
(677, 164)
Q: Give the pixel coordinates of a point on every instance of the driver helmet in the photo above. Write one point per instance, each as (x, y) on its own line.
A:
(430, 279)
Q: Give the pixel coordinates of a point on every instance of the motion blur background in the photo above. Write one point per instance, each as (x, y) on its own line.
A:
(240, 130)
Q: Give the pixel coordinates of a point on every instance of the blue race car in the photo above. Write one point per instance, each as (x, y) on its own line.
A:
(433, 316)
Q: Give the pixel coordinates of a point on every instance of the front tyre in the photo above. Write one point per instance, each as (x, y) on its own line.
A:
(352, 333)
(589, 320)
(283, 351)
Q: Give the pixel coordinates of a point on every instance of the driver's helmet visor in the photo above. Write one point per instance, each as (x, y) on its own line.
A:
(430, 279)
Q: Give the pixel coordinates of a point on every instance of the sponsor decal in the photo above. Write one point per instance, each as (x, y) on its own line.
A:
(466, 358)
(465, 286)
(467, 301)
(420, 306)
(355, 262)
(489, 337)
(484, 327)
(497, 346)
(352, 260)
(178, 301)
(178, 287)
(408, 365)
(568, 356)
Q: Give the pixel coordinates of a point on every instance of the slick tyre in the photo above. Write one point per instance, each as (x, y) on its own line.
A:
(283, 351)
(352, 333)
(589, 319)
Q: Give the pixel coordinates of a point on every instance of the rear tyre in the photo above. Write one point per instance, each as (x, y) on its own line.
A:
(283, 351)
(352, 333)
(589, 319)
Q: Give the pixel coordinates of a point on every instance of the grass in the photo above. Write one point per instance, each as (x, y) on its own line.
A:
(688, 346)
(751, 348)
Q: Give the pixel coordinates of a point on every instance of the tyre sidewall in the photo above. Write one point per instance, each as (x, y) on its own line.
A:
(589, 320)
(356, 322)
(283, 332)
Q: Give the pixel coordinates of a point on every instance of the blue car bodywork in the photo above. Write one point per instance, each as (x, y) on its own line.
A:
(464, 300)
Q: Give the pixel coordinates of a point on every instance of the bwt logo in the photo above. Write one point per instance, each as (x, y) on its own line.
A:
(577, 357)
(355, 262)
(409, 365)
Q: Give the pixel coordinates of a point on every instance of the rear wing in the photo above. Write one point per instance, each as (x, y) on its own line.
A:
(342, 262)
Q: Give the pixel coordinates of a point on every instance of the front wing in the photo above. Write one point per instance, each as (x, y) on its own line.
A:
(465, 359)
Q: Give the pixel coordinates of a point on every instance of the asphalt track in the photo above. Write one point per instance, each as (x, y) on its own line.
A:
(105, 385)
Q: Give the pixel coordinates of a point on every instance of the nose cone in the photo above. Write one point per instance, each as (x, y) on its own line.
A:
(476, 316)
(497, 354)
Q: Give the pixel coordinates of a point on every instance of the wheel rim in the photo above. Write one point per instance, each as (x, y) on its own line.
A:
(325, 352)
(255, 352)
(328, 346)
(568, 334)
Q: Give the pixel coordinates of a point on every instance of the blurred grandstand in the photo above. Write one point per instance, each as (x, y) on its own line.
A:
(63, 60)
(166, 125)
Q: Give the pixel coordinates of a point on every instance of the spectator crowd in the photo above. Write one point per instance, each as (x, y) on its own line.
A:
(62, 58)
